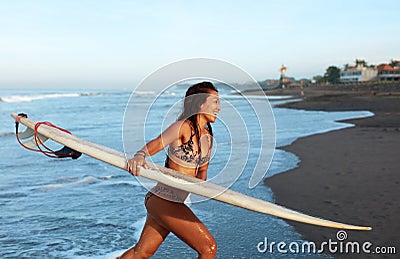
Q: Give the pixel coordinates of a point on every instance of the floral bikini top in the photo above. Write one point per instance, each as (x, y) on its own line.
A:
(187, 155)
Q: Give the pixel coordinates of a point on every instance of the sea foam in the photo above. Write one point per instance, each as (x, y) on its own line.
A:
(34, 97)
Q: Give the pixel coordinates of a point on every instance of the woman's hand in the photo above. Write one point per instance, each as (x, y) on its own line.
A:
(136, 162)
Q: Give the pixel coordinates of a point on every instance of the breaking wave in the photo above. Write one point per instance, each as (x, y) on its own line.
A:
(34, 97)
(85, 181)
(145, 93)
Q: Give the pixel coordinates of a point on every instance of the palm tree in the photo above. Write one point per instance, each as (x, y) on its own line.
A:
(394, 63)
(361, 62)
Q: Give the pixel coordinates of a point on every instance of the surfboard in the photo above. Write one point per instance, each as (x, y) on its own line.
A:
(180, 181)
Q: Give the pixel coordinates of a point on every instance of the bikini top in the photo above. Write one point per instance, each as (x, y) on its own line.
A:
(186, 155)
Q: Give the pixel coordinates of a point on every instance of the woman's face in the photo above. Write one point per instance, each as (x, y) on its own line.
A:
(210, 108)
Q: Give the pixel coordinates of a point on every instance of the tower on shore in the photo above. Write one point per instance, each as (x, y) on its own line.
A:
(283, 80)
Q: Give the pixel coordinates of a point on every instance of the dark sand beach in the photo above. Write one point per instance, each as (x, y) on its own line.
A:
(350, 175)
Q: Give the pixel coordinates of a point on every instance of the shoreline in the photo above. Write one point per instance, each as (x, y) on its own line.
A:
(348, 175)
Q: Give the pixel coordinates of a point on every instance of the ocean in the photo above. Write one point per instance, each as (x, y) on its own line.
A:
(64, 208)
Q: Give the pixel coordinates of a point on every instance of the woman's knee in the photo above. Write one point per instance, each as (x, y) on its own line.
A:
(208, 248)
(142, 252)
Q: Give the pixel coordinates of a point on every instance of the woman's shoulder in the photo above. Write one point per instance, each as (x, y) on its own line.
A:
(184, 125)
(185, 130)
(180, 127)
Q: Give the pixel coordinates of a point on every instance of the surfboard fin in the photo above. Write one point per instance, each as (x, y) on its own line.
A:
(37, 140)
(32, 143)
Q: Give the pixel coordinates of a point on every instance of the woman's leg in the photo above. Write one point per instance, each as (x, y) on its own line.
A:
(180, 220)
(151, 238)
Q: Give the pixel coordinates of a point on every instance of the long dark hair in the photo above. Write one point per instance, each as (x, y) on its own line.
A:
(195, 96)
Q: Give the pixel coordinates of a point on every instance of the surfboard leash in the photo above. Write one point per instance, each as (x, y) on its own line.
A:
(62, 153)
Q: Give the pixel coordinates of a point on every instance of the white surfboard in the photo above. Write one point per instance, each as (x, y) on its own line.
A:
(180, 181)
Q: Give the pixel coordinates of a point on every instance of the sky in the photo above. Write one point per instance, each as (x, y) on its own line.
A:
(116, 44)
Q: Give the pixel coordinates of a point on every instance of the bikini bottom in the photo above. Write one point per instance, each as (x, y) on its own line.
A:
(166, 193)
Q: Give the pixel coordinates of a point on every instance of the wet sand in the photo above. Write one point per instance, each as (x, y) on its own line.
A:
(350, 175)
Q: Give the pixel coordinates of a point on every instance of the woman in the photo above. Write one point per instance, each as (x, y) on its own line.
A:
(189, 142)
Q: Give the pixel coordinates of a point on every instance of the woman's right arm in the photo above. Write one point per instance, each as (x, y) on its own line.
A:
(153, 147)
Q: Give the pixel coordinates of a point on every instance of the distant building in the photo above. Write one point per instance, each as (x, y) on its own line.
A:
(359, 73)
(388, 73)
